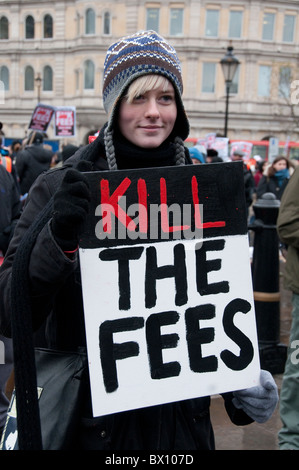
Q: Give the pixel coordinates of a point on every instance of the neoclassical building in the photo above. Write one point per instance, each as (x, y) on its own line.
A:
(53, 53)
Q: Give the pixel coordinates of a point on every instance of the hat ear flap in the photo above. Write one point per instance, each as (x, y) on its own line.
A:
(181, 127)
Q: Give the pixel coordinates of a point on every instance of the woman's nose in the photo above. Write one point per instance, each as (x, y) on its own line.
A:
(152, 109)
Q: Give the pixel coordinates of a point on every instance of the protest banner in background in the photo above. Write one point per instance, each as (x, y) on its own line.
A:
(167, 291)
(245, 147)
(221, 144)
(65, 121)
(41, 117)
(210, 139)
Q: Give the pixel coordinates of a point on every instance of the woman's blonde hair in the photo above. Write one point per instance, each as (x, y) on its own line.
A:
(146, 83)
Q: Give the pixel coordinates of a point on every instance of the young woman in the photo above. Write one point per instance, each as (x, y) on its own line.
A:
(275, 178)
(146, 127)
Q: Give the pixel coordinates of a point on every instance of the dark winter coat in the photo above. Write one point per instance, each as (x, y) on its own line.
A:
(270, 185)
(288, 231)
(57, 299)
(248, 185)
(30, 163)
(10, 207)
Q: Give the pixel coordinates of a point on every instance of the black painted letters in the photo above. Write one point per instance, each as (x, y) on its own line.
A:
(196, 335)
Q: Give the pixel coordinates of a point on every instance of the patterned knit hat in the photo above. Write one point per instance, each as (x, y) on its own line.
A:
(134, 56)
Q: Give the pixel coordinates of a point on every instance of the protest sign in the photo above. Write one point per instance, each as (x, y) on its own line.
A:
(41, 117)
(244, 146)
(167, 292)
(210, 139)
(221, 145)
(65, 121)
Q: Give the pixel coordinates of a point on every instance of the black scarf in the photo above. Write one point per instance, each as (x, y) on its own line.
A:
(130, 156)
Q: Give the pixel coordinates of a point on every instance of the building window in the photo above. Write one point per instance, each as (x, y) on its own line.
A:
(29, 78)
(235, 24)
(4, 77)
(88, 75)
(152, 19)
(208, 77)
(29, 27)
(107, 23)
(48, 26)
(268, 26)
(47, 78)
(264, 83)
(212, 21)
(90, 21)
(288, 28)
(176, 21)
(285, 78)
(3, 27)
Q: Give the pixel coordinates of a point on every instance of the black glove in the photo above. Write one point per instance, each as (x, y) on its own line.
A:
(71, 203)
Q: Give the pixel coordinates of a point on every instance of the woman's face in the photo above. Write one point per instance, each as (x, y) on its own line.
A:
(150, 118)
(280, 165)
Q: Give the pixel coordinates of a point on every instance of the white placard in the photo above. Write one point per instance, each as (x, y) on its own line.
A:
(205, 345)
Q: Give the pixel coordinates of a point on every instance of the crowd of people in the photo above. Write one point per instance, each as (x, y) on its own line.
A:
(146, 127)
(260, 176)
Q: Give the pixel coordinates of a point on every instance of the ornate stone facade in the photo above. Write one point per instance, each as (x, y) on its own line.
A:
(64, 42)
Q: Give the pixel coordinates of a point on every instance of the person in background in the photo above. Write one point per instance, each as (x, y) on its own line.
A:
(32, 161)
(4, 151)
(196, 156)
(10, 208)
(14, 148)
(288, 231)
(238, 155)
(275, 179)
(146, 127)
(213, 157)
(56, 159)
(7, 162)
(260, 167)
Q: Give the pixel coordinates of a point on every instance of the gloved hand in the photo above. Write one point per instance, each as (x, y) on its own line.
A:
(71, 203)
(258, 402)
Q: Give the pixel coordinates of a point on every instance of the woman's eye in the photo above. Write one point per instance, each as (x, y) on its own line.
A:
(167, 98)
(139, 98)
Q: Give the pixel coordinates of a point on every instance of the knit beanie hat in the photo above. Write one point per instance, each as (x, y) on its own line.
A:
(195, 153)
(142, 53)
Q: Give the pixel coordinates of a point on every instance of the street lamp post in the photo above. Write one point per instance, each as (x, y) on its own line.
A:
(229, 64)
(38, 81)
